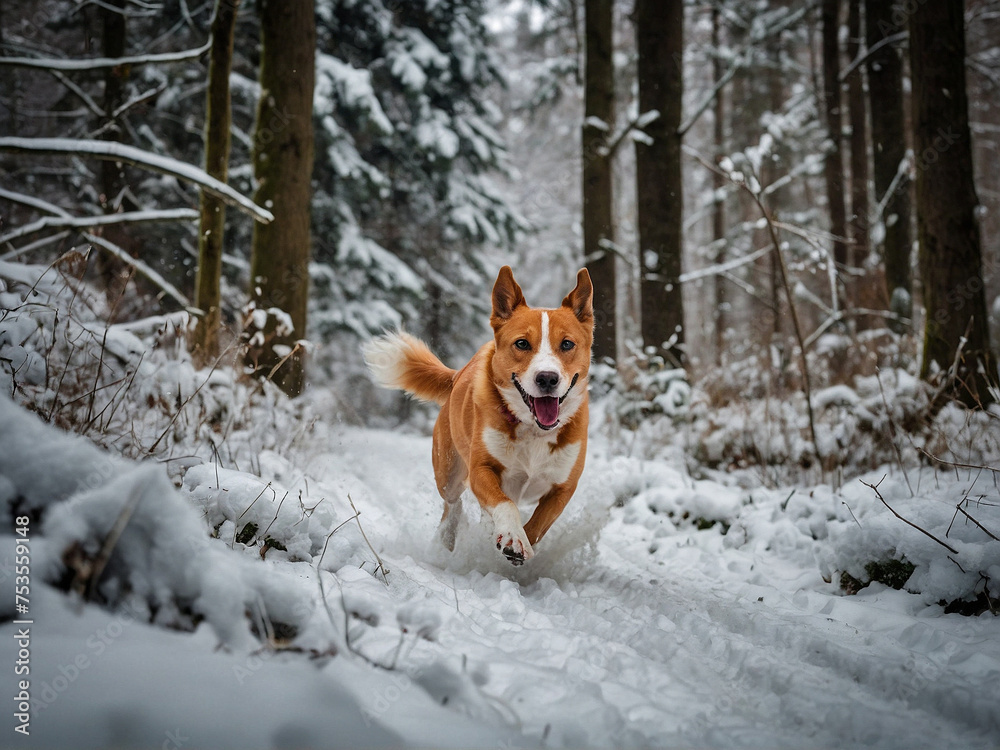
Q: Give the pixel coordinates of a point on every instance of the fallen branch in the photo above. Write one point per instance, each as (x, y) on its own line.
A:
(960, 509)
(364, 536)
(874, 488)
(110, 542)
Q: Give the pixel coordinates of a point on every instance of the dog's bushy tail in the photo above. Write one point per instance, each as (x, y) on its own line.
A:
(399, 360)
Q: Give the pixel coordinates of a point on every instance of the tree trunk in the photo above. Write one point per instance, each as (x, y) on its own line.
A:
(719, 182)
(10, 83)
(948, 230)
(205, 342)
(769, 173)
(113, 45)
(659, 26)
(113, 272)
(598, 214)
(834, 170)
(859, 147)
(885, 91)
(283, 161)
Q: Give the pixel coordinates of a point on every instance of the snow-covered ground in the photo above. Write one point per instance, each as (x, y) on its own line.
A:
(244, 604)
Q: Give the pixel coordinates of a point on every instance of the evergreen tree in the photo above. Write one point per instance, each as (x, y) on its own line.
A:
(405, 209)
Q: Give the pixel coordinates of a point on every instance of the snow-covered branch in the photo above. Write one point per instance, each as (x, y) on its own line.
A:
(640, 121)
(100, 63)
(722, 268)
(140, 267)
(33, 202)
(63, 221)
(110, 150)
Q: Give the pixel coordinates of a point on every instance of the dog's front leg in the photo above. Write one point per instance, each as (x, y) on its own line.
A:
(508, 533)
(550, 506)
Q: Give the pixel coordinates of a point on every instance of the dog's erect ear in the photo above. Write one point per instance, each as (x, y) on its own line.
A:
(581, 299)
(507, 297)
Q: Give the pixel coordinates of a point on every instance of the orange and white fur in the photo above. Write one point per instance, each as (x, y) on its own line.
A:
(513, 422)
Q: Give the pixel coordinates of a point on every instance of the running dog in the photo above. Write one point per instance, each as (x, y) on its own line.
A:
(513, 422)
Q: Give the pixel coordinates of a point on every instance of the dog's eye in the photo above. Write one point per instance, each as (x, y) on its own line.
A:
(566, 345)
(523, 344)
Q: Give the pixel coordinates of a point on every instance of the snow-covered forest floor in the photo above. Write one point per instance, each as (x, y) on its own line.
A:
(214, 566)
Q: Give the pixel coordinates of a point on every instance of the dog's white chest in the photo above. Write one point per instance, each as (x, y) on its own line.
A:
(531, 464)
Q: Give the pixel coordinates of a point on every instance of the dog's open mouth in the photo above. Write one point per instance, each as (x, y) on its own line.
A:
(545, 409)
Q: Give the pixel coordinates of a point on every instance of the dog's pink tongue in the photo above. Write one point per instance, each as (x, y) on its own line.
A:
(547, 410)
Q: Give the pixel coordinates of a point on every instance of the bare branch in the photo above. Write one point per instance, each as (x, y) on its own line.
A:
(874, 488)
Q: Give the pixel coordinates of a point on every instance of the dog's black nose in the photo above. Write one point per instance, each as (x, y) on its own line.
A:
(547, 381)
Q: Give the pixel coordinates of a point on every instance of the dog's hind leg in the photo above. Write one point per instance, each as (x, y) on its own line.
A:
(451, 486)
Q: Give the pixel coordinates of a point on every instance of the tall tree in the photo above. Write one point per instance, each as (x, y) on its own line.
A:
(659, 29)
(947, 226)
(283, 162)
(859, 139)
(205, 343)
(598, 212)
(834, 169)
(890, 176)
(113, 272)
(718, 186)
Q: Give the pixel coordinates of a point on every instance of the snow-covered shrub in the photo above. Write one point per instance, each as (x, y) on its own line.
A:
(946, 549)
(131, 386)
(273, 522)
(646, 387)
(870, 408)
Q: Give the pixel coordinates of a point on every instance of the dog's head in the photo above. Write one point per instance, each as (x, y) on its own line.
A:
(542, 356)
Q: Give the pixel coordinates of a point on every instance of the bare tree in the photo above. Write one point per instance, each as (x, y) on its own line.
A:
(659, 26)
(832, 111)
(212, 221)
(859, 141)
(718, 184)
(598, 203)
(955, 330)
(283, 162)
(114, 273)
(890, 176)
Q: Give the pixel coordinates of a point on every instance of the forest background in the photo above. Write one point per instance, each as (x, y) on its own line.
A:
(773, 197)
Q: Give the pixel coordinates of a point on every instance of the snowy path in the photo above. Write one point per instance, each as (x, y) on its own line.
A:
(705, 642)
(630, 628)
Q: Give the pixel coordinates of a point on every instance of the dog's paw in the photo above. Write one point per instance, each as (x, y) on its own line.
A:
(515, 547)
(509, 535)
